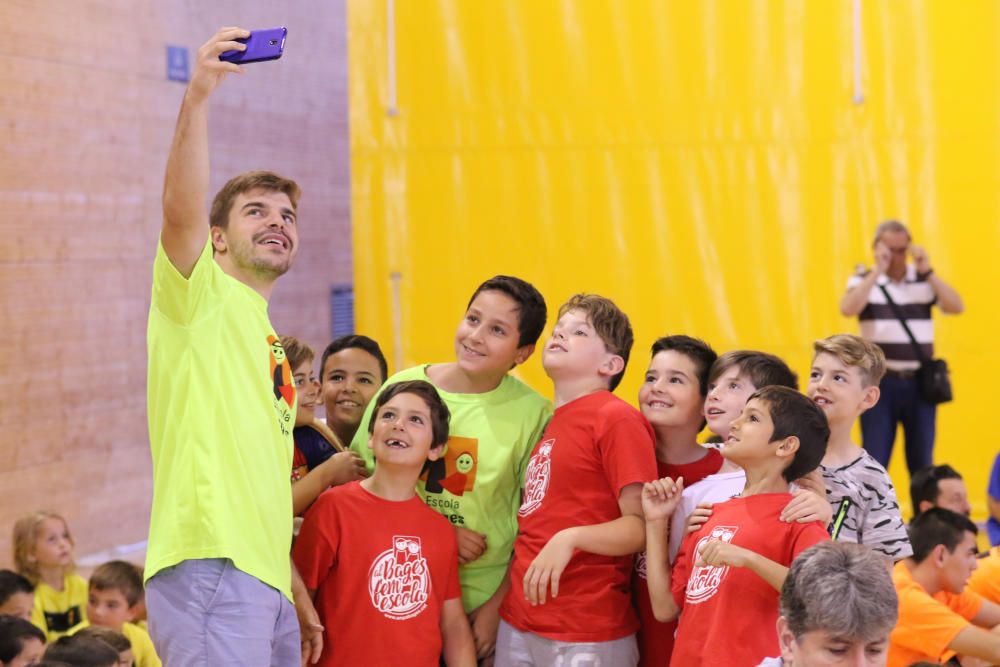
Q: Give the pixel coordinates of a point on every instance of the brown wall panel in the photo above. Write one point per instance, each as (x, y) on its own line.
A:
(86, 119)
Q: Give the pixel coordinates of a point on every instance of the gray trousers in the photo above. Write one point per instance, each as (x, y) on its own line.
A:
(207, 612)
(523, 649)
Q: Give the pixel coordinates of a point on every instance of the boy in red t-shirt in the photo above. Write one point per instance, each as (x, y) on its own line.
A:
(581, 518)
(727, 575)
(672, 398)
(381, 565)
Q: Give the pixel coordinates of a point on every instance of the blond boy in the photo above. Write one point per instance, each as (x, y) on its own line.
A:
(844, 383)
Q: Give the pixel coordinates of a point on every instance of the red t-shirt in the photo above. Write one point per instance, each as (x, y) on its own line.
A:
(656, 639)
(383, 570)
(728, 614)
(593, 448)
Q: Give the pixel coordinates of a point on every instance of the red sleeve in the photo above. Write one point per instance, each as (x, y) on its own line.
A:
(315, 549)
(628, 451)
(681, 570)
(811, 533)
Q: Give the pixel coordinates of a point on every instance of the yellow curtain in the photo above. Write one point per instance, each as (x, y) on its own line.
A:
(705, 164)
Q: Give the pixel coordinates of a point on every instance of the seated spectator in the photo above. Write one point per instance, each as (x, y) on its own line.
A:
(81, 652)
(17, 595)
(993, 503)
(938, 616)
(319, 460)
(838, 606)
(21, 643)
(939, 486)
(115, 591)
(351, 370)
(116, 640)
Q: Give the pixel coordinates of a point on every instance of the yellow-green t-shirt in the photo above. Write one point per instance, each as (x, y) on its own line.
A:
(477, 483)
(221, 403)
(56, 613)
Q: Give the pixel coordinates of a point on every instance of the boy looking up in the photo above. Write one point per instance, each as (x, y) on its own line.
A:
(727, 574)
(844, 383)
(381, 565)
(580, 520)
(495, 421)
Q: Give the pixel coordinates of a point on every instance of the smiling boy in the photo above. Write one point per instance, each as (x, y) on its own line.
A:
(495, 421)
(727, 574)
(382, 566)
(844, 383)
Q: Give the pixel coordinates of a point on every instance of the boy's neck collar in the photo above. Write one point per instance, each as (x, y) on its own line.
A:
(764, 480)
(567, 391)
(678, 445)
(389, 483)
(452, 379)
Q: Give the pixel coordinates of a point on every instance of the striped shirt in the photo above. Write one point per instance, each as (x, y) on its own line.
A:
(879, 324)
(865, 510)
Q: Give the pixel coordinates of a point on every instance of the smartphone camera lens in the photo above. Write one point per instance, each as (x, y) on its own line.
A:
(273, 42)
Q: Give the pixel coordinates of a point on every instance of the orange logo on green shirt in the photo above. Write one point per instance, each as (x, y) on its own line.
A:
(281, 372)
(455, 472)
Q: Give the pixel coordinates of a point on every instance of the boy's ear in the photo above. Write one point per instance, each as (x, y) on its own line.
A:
(523, 353)
(870, 398)
(788, 446)
(370, 436)
(785, 638)
(938, 553)
(133, 612)
(612, 366)
(218, 239)
(925, 505)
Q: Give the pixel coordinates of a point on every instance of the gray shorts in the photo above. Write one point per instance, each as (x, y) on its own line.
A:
(523, 649)
(207, 612)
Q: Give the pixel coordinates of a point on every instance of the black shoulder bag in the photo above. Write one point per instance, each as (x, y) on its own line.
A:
(933, 380)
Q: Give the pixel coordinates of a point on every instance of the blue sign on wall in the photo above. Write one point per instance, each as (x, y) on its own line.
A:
(177, 63)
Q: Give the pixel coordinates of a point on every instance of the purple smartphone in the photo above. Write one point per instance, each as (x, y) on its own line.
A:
(262, 45)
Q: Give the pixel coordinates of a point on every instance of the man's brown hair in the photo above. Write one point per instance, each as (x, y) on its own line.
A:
(610, 323)
(121, 576)
(855, 351)
(251, 180)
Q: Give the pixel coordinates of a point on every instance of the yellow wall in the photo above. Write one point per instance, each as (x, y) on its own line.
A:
(702, 163)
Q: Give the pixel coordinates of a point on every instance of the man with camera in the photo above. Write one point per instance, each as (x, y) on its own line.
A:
(893, 302)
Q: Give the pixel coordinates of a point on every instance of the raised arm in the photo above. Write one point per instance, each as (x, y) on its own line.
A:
(660, 499)
(948, 299)
(856, 298)
(185, 187)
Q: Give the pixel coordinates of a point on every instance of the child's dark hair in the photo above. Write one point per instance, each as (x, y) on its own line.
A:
(610, 323)
(763, 369)
(14, 632)
(695, 349)
(112, 638)
(82, 652)
(795, 414)
(938, 526)
(532, 312)
(924, 484)
(121, 576)
(355, 341)
(440, 415)
(12, 583)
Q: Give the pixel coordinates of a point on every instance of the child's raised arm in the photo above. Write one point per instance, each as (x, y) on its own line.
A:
(660, 499)
(456, 635)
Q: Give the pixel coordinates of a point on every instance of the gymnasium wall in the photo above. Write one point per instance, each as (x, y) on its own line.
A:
(86, 119)
(703, 163)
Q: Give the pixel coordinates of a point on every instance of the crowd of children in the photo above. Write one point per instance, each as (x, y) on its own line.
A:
(452, 514)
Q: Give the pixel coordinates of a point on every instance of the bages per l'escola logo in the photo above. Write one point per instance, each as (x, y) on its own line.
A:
(399, 582)
(536, 477)
(283, 385)
(704, 581)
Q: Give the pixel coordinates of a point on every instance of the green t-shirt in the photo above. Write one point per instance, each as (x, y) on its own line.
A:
(221, 403)
(477, 483)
